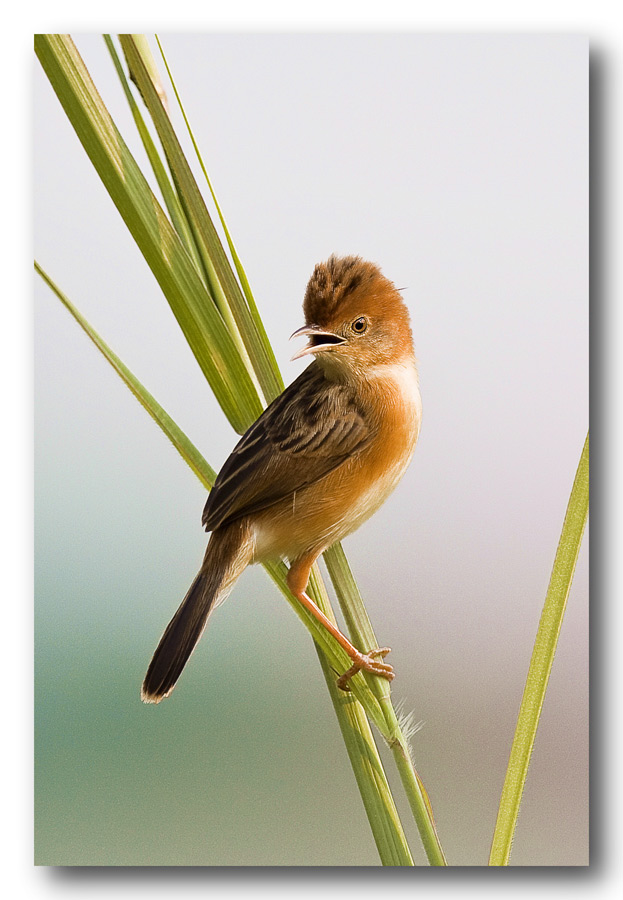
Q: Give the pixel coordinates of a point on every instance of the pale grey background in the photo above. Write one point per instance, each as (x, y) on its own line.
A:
(460, 165)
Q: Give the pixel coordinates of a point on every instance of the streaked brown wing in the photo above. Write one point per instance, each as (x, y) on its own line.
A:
(309, 430)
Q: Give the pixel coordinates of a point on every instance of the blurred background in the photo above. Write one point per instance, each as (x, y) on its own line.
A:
(460, 165)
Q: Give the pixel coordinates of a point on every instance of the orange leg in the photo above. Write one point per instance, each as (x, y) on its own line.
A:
(297, 579)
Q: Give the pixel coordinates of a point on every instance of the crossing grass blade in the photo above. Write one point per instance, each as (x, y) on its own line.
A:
(142, 46)
(192, 305)
(221, 279)
(270, 359)
(167, 190)
(360, 628)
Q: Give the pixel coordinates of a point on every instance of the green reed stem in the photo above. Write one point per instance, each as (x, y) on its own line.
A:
(360, 628)
(541, 662)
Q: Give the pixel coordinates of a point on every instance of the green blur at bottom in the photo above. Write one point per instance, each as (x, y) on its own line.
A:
(217, 775)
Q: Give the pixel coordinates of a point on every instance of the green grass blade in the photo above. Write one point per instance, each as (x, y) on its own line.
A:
(199, 223)
(223, 284)
(171, 199)
(362, 633)
(369, 774)
(541, 662)
(359, 740)
(336, 656)
(187, 450)
(142, 45)
(175, 271)
(169, 196)
(242, 275)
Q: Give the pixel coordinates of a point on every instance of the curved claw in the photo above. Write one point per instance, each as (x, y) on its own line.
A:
(380, 651)
(367, 663)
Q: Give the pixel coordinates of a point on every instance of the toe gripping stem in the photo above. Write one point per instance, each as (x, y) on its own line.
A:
(368, 663)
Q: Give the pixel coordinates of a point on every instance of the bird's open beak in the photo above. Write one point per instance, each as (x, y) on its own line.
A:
(319, 340)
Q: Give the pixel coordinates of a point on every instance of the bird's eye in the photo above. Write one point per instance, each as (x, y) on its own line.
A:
(360, 325)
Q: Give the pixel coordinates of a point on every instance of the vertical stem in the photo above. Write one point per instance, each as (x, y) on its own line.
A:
(541, 663)
(418, 801)
(363, 754)
(362, 633)
(353, 715)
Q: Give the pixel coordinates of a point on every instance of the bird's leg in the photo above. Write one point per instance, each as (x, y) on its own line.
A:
(297, 579)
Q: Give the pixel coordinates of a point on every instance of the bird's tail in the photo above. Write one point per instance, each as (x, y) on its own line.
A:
(229, 551)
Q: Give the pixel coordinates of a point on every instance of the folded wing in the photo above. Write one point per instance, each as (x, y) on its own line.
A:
(306, 433)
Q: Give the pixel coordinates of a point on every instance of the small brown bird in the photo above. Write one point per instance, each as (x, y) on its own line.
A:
(316, 464)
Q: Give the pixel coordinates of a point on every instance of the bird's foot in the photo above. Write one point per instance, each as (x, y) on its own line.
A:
(368, 663)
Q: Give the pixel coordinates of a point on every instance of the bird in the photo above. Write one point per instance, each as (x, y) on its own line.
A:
(316, 464)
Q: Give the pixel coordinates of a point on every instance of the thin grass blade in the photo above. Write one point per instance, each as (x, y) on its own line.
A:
(362, 633)
(169, 196)
(186, 449)
(223, 284)
(142, 46)
(541, 663)
(242, 275)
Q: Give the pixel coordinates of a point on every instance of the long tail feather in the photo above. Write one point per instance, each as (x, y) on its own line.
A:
(229, 551)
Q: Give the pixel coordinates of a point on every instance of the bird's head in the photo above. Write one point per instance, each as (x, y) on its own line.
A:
(355, 318)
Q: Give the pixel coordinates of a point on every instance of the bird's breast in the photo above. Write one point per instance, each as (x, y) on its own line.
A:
(336, 505)
(396, 404)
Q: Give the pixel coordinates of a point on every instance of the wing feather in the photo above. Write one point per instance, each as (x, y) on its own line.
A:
(306, 433)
